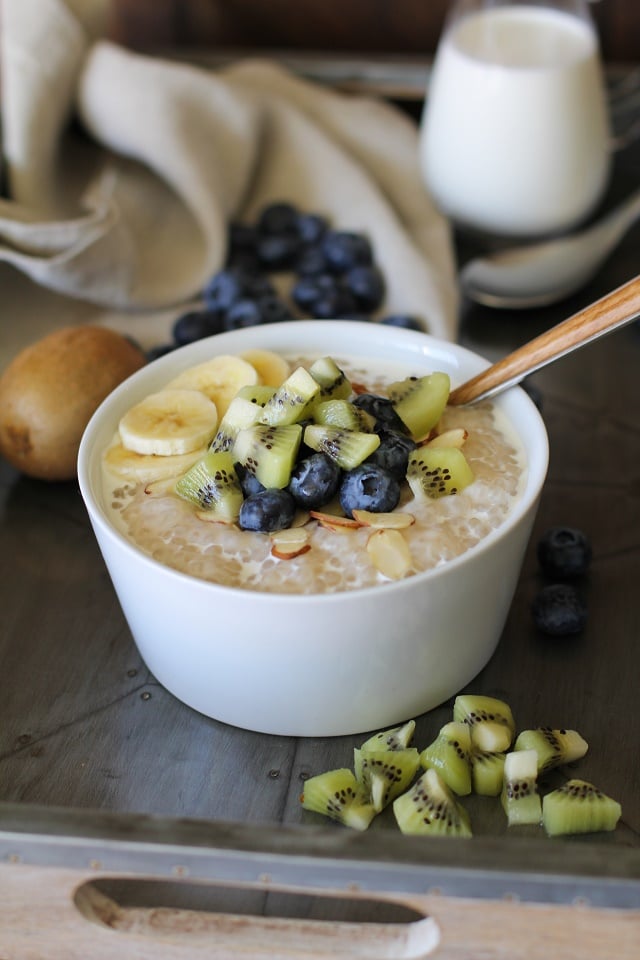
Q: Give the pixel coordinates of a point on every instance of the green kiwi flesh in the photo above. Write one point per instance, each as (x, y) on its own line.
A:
(396, 738)
(520, 797)
(212, 484)
(430, 807)
(341, 413)
(553, 747)
(241, 413)
(256, 393)
(487, 772)
(291, 400)
(449, 755)
(434, 472)
(420, 401)
(269, 452)
(579, 807)
(490, 720)
(348, 448)
(332, 380)
(384, 774)
(338, 795)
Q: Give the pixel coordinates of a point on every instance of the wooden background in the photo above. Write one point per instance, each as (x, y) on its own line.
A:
(359, 26)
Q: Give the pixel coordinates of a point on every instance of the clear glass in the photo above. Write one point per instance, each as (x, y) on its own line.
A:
(515, 134)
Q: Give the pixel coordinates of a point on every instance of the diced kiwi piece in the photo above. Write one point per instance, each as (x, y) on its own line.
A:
(347, 448)
(385, 774)
(241, 413)
(434, 472)
(449, 755)
(553, 747)
(396, 738)
(341, 413)
(487, 772)
(291, 400)
(490, 720)
(212, 484)
(338, 795)
(579, 807)
(333, 381)
(269, 453)
(420, 401)
(256, 393)
(430, 807)
(520, 797)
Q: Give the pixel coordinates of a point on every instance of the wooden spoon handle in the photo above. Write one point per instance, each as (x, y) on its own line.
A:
(614, 310)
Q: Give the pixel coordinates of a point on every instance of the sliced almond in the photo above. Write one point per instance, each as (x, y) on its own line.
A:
(397, 520)
(389, 553)
(450, 438)
(209, 516)
(334, 522)
(286, 544)
(160, 488)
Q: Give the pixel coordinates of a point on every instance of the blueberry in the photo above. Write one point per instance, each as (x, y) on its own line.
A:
(267, 510)
(195, 325)
(248, 481)
(311, 227)
(369, 487)
(564, 552)
(224, 288)
(558, 610)
(334, 305)
(404, 320)
(393, 453)
(278, 251)
(344, 250)
(274, 310)
(243, 313)
(366, 285)
(277, 218)
(310, 262)
(383, 410)
(307, 290)
(242, 238)
(314, 481)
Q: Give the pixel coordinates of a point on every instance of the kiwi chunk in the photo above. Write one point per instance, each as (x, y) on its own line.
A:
(338, 795)
(332, 380)
(212, 484)
(241, 413)
(341, 413)
(256, 393)
(487, 772)
(420, 401)
(434, 472)
(269, 453)
(430, 807)
(384, 774)
(449, 755)
(291, 400)
(553, 747)
(347, 448)
(579, 807)
(397, 738)
(491, 721)
(520, 798)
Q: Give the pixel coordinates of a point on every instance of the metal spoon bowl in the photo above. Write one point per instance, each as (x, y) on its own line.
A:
(539, 274)
(612, 311)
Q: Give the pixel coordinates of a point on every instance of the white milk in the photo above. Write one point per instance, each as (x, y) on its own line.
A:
(514, 137)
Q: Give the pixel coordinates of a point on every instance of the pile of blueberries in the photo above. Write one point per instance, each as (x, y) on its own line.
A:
(334, 273)
(564, 555)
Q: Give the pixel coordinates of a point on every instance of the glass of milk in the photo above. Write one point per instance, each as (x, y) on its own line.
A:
(514, 138)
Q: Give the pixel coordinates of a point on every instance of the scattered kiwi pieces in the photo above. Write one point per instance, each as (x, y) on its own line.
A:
(434, 472)
(520, 797)
(269, 453)
(333, 382)
(213, 485)
(579, 807)
(491, 721)
(291, 399)
(385, 765)
(347, 448)
(420, 401)
(449, 755)
(430, 807)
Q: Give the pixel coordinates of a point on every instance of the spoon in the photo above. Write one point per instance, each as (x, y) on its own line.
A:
(542, 273)
(614, 310)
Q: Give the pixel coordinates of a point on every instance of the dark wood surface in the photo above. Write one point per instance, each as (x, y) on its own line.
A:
(84, 724)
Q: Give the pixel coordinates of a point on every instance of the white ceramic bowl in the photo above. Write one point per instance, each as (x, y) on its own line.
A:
(327, 664)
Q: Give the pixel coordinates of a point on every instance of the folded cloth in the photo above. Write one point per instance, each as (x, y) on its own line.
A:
(129, 206)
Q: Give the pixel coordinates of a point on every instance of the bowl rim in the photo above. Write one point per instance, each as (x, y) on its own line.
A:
(421, 345)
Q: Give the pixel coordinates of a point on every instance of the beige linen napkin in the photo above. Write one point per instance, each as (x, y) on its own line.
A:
(129, 209)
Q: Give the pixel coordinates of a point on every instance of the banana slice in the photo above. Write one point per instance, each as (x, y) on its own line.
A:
(147, 468)
(272, 368)
(170, 422)
(219, 379)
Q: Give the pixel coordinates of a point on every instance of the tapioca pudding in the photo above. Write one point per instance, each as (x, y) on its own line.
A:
(335, 556)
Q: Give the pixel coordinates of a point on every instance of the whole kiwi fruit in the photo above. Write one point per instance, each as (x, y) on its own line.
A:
(50, 390)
